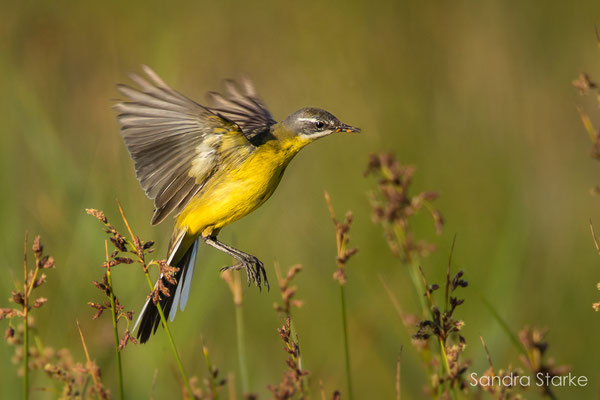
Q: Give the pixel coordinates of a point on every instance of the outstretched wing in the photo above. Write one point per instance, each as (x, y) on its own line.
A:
(242, 105)
(175, 143)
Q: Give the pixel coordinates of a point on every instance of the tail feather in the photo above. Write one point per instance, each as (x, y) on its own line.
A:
(186, 282)
(149, 318)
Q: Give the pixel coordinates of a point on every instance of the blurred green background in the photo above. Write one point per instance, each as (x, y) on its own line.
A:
(477, 95)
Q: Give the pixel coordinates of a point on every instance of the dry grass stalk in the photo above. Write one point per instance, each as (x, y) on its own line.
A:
(58, 365)
(124, 248)
(292, 385)
(121, 255)
(445, 328)
(394, 206)
(93, 369)
(585, 85)
(234, 282)
(398, 376)
(235, 286)
(342, 238)
(288, 291)
(596, 305)
(210, 387)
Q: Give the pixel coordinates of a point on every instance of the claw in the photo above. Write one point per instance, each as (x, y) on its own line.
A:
(249, 273)
(264, 273)
(235, 267)
(255, 271)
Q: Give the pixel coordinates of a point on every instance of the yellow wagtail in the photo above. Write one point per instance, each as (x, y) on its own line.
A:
(209, 166)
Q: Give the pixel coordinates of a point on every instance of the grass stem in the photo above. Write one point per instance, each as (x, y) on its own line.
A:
(88, 359)
(346, 346)
(114, 322)
(398, 375)
(343, 254)
(304, 379)
(171, 341)
(165, 324)
(447, 367)
(418, 285)
(26, 325)
(211, 373)
(241, 344)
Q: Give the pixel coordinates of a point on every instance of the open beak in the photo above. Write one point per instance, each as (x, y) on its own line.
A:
(347, 128)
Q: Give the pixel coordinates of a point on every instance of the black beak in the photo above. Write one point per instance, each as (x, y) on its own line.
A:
(347, 128)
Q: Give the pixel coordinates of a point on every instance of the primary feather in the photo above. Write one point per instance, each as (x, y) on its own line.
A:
(242, 105)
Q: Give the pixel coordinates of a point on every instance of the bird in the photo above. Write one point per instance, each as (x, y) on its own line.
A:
(209, 166)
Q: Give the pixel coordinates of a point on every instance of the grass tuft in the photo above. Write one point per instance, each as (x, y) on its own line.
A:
(342, 238)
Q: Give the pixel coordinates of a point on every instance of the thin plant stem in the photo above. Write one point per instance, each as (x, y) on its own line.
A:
(398, 375)
(413, 272)
(87, 357)
(231, 386)
(171, 341)
(447, 366)
(447, 294)
(114, 322)
(84, 389)
(158, 307)
(446, 302)
(294, 334)
(213, 384)
(346, 347)
(30, 285)
(413, 269)
(26, 327)
(236, 290)
(241, 344)
(27, 288)
(503, 324)
(235, 286)
(341, 240)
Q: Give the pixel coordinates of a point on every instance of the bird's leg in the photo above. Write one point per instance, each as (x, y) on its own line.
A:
(253, 266)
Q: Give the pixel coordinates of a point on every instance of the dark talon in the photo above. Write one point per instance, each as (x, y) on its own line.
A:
(249, 273)
(255, 270)
(226, 268)
(235, 267)
(260, 269)
(264, 273)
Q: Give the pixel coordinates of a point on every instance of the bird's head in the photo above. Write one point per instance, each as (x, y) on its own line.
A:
(309, 124)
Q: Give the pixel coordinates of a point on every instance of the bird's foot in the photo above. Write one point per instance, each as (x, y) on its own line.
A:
(255, 271)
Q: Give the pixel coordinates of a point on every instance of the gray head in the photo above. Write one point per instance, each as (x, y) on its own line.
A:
(313, 123)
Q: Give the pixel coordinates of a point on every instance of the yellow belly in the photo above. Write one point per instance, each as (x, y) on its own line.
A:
(235, 191)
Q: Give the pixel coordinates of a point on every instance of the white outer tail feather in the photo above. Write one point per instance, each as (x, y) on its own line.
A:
(187, 282)
(183, 288)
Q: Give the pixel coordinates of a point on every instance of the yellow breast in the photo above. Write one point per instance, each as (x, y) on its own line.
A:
(238, 189)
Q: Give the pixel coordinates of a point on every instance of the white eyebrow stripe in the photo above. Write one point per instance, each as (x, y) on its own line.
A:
(308, 119)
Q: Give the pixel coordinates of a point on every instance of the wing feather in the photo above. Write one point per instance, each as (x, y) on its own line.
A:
(173, 141)
(242, 105)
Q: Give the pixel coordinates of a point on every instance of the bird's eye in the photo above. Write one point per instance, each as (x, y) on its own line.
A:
(319, 124)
